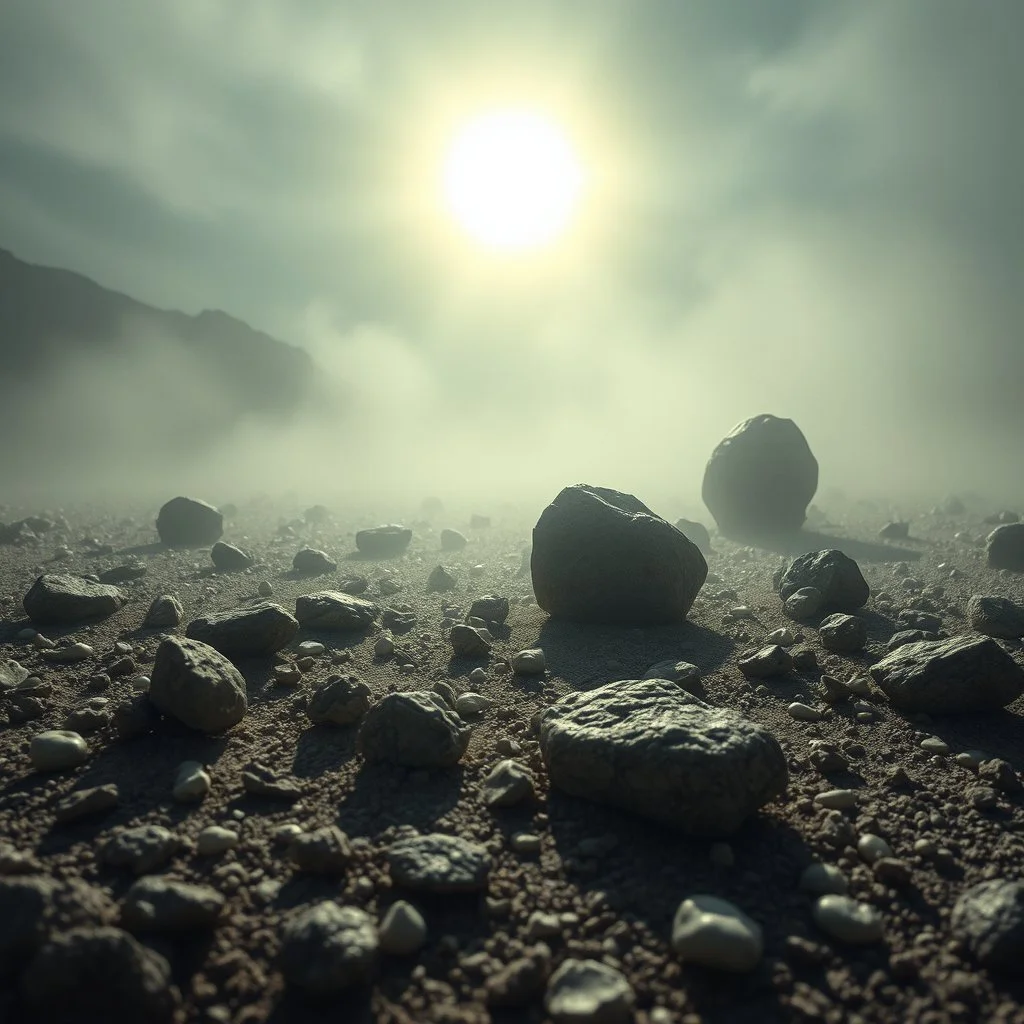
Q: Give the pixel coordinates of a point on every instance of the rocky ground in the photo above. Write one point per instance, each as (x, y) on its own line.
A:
(238, 902)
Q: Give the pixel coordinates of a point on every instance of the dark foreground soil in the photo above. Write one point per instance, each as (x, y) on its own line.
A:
(616, 903)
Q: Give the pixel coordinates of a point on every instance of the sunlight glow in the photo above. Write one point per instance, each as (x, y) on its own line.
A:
(512, 180)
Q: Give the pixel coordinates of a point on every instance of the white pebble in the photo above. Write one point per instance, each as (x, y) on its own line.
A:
(716, 933)
(847, 920)
(803, 712)
(191, 782)
(311, 647)
(215, 839)
(934, 745)
(872, 848)
(402, 930)
(836, 799)
(57, 749)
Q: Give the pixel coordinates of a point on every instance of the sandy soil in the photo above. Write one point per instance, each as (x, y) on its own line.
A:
(619, 905)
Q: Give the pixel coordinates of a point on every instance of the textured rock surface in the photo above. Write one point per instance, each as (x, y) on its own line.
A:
(603, 556)
(760, 478)
(649, 747)
(963, 673)
(252, 631)
(383, 541)
(415, 728)
(989, 918)
(1004, 547)
(197, 685)
(996, 616)
(59, 598)
(439, 863)
(837, 576)
(326, 948)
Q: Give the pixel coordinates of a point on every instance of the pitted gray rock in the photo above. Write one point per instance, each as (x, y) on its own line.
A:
(961, 674)
(416, 729)
(996, 616)
(439, 863)
(249, 632)
(989, 918)
(326, 948)
(649, 747)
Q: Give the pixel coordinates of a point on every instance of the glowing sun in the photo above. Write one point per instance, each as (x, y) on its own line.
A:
(512, 180)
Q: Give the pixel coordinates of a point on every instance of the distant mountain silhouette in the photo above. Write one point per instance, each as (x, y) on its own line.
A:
(82, 364)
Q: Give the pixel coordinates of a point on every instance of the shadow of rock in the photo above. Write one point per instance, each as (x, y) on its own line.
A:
(386, 795)
(323, 748)
(588, 655)
(805, 540)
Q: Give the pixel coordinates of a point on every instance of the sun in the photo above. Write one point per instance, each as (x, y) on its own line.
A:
(512, 180)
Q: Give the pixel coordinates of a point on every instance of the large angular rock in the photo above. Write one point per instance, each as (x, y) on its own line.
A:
(197, 685)
(996, 616)
(603, 556)
(415, 728)
(228, 558)
(1005, 547)
(989, 919)
(383, 541)
(960, 674)
(761, 478)
(99, 974)
(332, 611)
(649, 747)
(58, 598)
(248, 632)
(836, 576)
(188, 523)
(156, 904)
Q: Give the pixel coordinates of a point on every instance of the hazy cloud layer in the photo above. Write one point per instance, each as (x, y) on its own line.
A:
(809, 209)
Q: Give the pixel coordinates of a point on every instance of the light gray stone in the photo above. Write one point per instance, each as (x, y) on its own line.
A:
(589, 992)
(197, 685)
(439, 863)
(715, 933)
(989, 919)
(326, 948)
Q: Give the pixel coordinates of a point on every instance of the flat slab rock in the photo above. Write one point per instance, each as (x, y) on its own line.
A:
(960, 674)
(60, 598)
(249, 632)
(334, 611)
(648, 746)
(439, 863)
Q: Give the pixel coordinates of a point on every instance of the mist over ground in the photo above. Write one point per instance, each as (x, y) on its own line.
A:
(809, 210)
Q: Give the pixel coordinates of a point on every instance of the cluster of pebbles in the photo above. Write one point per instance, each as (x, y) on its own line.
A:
(624, 776)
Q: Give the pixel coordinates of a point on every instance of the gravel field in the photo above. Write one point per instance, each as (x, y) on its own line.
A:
(548, 906)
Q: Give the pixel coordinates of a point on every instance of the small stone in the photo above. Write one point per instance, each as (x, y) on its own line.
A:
(68, 655)
(191, 782)
(934, 745)
(589, 992)
(86, 802)
(804, 603)
(312, 648)
(843, 634)
(989, 919)
(526, 843)
(326, 948)
(530, 662)
(837, 799)
(163, 905)
(821, 879)
(848, 920)
(682, 673)
(324, 851)
(440, 579)
(803, 713)
(228, 558)
(143, 848)
(872, 848)
(452, 540)
(715, 933)
(260, 780)
(439, 863)
(784, 637)
(57, 749)
(165, 612)
(402, 930)
(311, 562)
(214, 840)
(265, 588)
(384, 647)
(469, 705)
(341, 700)
(771, 660)
(507, 783)
(469, 642)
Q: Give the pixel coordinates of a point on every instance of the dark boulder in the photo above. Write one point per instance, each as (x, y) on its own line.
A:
(760, 478)
(188, 523)
(603, 556)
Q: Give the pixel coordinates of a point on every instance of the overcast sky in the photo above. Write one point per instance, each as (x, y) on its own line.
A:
(806, 207)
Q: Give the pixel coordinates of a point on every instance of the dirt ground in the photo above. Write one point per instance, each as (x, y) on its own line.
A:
(616, 898)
